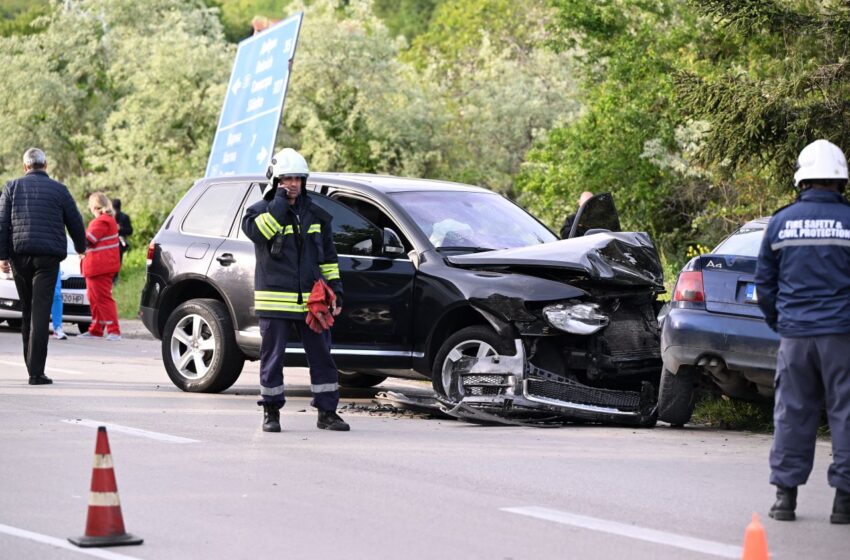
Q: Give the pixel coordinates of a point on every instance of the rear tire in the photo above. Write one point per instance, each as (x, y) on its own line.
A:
(359, 380)
(83, 327)
(199, 347)
(15, 324)
(677, 396)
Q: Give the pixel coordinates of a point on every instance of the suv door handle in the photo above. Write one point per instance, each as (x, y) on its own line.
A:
(226, 259)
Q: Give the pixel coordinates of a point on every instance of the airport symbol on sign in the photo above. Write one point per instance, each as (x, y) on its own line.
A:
(247, 127)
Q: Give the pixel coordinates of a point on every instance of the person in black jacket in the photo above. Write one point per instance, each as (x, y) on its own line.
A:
(35, 210)
(125, 230)
(803, 286)
(293, 243)
(568, 221)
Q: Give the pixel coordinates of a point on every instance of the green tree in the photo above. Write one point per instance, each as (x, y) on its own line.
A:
(406, 17)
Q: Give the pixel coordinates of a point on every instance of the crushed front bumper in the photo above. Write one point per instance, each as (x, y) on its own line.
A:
(507, 389)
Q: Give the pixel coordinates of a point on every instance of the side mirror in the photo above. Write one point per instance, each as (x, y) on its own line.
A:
(392, 246)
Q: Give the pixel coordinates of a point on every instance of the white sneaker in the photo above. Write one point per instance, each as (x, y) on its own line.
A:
(87, 334)
(113, 337)
(59, 335)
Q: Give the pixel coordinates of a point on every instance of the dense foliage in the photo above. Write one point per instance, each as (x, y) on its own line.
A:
(690, 112)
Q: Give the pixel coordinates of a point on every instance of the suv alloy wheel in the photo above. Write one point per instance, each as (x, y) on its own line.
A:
(199, 348)
(477, 341)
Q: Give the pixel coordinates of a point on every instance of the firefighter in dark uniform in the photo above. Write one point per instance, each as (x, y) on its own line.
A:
(294, 247)
(803, 287)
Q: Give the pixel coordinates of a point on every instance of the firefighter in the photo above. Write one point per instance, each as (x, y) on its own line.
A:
(803, 287)
(294, 247)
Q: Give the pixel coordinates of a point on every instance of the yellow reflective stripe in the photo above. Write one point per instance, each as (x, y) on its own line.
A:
(288, 230)
(272, 222)
(263, 227)
(270, 306)
(279, 296)
(330, 271)
(315, 228)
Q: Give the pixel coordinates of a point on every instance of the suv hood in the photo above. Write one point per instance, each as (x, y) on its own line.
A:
(627, 258)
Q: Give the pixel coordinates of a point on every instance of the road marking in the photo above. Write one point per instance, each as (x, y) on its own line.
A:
(130, 431)
(46, 369)
(61, 543)
(631, 531)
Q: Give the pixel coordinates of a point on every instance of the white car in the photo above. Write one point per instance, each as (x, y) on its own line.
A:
(76, 308)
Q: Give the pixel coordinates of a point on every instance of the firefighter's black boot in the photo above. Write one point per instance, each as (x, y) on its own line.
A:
(786, 503)
(330, 420)
(271, 418)
(840, 508)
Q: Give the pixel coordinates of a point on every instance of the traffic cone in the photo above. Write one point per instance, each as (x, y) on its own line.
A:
(755, 541)
(104, 525)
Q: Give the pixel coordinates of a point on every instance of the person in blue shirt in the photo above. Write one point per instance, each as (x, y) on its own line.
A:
(803, 286)
(57, 309)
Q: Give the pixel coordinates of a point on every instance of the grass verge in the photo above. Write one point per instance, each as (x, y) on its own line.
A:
(128, 290)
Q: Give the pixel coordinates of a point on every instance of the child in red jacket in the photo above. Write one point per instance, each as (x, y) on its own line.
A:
(101, 262)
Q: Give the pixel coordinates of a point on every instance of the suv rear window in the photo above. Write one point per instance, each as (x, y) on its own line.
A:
(745, 242)
(214, 212)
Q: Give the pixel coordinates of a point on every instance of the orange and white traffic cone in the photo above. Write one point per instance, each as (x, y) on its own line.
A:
(755, 541)
(104, 525)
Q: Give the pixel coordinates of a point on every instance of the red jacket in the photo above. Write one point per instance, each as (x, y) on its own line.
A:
(102, 253)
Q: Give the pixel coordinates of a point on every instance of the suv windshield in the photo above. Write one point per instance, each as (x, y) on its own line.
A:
(745, 242)
(472, 221)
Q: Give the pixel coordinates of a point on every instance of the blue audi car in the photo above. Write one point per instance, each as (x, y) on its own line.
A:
(713, 328)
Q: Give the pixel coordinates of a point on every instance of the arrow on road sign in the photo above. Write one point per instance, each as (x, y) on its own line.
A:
(262, 155)
(236, 87)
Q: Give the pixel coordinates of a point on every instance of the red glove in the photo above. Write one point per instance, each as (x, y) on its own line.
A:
(319, 305)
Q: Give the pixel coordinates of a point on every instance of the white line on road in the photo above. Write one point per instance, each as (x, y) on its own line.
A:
(630, 531)
(46, 369)
(130, 431)
(60, 543)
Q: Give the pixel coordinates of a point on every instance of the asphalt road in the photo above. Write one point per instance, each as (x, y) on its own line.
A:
(198, 479)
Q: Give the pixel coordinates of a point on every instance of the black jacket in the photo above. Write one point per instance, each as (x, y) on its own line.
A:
(34, 212)
(282, 282)
(803, 272)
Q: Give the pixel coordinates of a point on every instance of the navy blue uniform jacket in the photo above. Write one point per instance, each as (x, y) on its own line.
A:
(803, 272)
(282, 284)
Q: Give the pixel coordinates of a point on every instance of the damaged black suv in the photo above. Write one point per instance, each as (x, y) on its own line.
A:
(443, 281)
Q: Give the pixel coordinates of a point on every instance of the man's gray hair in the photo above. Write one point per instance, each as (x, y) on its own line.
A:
(35, 159)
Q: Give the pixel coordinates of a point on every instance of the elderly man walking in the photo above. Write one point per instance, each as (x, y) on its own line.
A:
(34, 212)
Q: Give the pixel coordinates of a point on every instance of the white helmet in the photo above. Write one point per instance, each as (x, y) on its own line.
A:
(288, 162)
(821, 160)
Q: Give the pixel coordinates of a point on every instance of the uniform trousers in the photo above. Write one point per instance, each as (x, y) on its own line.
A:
(104, 312)
(35, 279)
(324, 377)
(811, 372)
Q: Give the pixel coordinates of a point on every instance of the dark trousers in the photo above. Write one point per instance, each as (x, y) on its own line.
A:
(811, 372)
(35, 279)
(324, 377)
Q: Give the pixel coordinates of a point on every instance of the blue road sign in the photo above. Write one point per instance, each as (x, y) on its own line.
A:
(247, 127)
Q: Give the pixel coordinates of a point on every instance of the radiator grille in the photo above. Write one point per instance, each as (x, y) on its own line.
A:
(74, 283)
(574, 392)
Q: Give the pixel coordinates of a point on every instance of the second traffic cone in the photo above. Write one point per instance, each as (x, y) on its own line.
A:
(755, 541)
(104, 525)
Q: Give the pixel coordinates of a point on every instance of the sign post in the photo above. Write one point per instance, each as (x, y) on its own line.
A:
(250, 115)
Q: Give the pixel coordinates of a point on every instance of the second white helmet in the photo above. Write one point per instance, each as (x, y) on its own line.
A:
(820, 160)
(288, 162)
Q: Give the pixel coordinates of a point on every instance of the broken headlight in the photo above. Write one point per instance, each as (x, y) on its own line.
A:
(576, 318)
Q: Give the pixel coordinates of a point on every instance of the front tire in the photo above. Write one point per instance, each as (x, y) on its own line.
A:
(477, 341)
(677, 395)
(199, 347)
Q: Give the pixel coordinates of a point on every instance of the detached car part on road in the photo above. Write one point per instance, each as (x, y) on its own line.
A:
(443, 281)
(713, 328)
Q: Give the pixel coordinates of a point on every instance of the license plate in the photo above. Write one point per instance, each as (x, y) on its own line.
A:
(751, 296)
(74, 299)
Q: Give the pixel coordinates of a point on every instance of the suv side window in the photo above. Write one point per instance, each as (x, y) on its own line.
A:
(353, 235)
(213, 213)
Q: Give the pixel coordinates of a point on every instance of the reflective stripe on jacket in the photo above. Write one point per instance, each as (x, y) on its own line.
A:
(102, 254)
(282, 283)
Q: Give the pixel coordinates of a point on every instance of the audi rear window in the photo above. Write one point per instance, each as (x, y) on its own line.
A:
(745, 242)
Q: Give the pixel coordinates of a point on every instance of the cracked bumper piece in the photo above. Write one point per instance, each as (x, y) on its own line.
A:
(507, 388)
